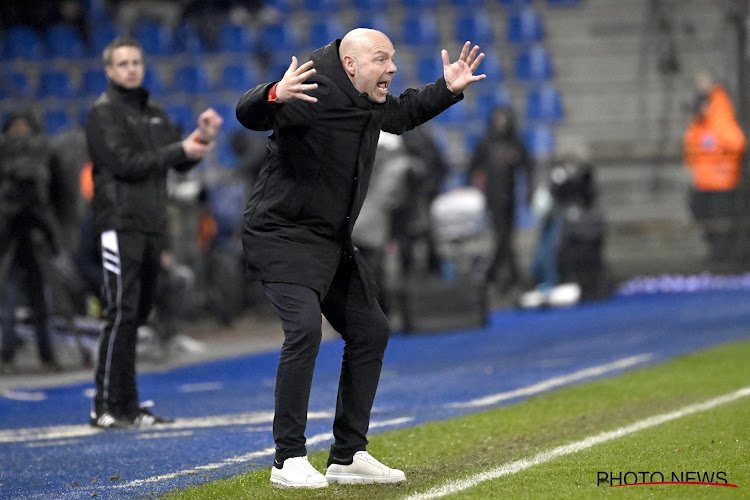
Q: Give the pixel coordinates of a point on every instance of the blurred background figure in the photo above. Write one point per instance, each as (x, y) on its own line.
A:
(388, 192)
(568, 263)
(714, 145)
(29, 233)
(498, 159)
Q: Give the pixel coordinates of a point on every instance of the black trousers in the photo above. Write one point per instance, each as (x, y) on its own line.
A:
(365, 330)
(131, 263)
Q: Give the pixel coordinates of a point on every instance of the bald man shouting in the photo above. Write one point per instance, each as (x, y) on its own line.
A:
(326, 116)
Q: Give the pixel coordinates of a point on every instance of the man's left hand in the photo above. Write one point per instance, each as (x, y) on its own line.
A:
(460, 74)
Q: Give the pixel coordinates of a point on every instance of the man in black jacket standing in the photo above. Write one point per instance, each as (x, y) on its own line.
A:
(326, 116)
(132, 144)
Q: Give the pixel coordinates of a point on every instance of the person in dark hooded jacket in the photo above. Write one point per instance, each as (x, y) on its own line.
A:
(499, 157)
(29, 232)
(326, 116)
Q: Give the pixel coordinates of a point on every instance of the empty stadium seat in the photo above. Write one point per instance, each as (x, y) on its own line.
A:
(370, 6)
(474, 26)
(324, 31)
(491, 66)
(474, 4)
(235, 38)
(420, 30)
(533, 63)
(377, 21)
(22, 42)
(457, 115)
(419, 4)
(101, 34)
(497, 96)
(192, 78)
(525, 26)
(14, 85)
(280, 36)
(226, 109)
(239, 77)
(153, 81)
(187, 39)
(544, 104)
(55, 83)
(429, 68)
(93, 82)
(514, 4)
(539, 140)
(182, 114)
(155, 37)
(326, 6)
(56, 120)
(64, 40)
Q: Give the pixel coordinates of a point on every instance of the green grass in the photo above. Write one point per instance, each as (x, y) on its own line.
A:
(431, 454)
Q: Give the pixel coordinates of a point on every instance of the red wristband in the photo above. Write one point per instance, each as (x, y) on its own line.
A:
(272, 93)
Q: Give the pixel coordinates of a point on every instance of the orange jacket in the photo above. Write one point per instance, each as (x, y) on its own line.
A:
(714, 145)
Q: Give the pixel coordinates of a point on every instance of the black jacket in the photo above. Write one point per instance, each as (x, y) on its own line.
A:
(300, 216)
(132, 144)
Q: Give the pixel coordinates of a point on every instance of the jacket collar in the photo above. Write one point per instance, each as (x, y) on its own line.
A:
(137, 97)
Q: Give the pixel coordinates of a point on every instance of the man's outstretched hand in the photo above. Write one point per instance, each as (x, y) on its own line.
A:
(460, 74)
(292, 85)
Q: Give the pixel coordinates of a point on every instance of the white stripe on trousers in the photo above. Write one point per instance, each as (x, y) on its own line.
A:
(111, 264)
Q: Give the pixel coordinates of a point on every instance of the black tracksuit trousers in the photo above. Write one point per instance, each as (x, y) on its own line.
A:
(131, 263)
(365, 330)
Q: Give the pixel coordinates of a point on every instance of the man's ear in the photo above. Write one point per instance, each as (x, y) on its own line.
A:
(349, 65)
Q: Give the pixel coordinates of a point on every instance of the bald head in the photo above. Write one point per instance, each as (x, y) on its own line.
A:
(367, 57)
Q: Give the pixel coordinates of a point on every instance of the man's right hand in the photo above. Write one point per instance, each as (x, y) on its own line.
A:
(194, 148)
(293, 85)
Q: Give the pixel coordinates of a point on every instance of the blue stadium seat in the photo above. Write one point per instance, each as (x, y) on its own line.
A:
(192, 78)
(514, 4)
(525, 26)
(55, 83)
(370, 6)
(539, 140)
(100, 36)
(187, 39)
(56, 120)
(474, 4)
(182, 114)
(93, 82)
(419, 5)
(564, 3)
(22, 42)
(279, 37)
(492, 67)
(235, 38)
(155, 37)
(225, 155)
(14, 85)
(474, 26)
(458, 115)
(377, 21)
(239, 77)
(323, 6)
(429, 68)
(154, 82)
(324, 31)
(420, 30)
(226, 109)
(544, 104)
(533, 64)
(64, 40)
(496, 97)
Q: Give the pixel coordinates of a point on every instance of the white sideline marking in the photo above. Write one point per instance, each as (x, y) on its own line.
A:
(201, 387)
(74, 431)
(249, 457)
(24, 395)
(546, 456)
(551, 383)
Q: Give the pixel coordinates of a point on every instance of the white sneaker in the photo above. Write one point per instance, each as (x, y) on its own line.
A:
(363, 469)
(297, 473)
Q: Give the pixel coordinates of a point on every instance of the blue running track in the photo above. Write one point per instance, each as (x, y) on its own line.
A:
(47, 449)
